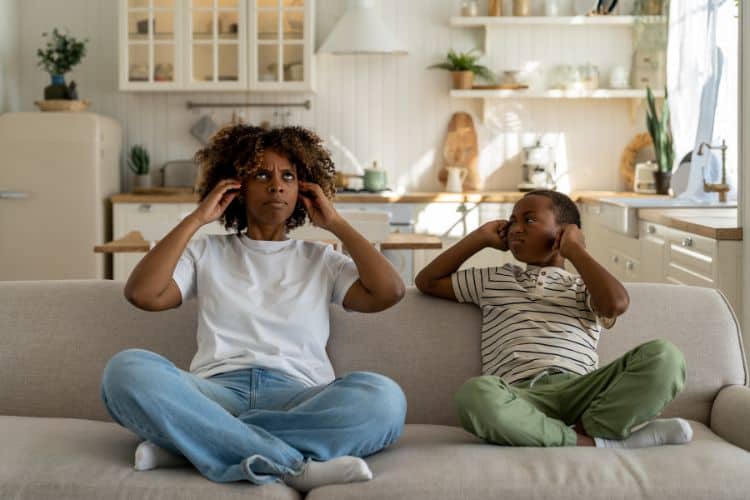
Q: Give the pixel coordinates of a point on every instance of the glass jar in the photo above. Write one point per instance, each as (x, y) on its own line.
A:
(469, 8)
(521, 7)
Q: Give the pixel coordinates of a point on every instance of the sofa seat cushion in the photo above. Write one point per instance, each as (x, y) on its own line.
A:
(59, 458)
(440, 462)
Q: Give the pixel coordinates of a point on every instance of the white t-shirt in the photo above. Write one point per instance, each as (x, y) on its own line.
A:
(263, 304)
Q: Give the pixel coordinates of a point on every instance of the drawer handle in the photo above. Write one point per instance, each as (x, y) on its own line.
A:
(144, 207)
(687, 242)
(651, 229)
(615, 259)
(629, 265)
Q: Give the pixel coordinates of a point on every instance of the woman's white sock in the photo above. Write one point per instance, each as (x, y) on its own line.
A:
(656, 433)
(149, 456)
(336, 471)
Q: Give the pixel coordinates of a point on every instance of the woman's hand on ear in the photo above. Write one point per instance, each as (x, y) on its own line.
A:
(217, 201)
(319, 208)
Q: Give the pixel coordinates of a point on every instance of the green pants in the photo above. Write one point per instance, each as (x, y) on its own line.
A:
(608, 402)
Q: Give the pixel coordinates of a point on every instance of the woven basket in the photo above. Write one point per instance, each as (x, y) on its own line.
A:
(62, 105)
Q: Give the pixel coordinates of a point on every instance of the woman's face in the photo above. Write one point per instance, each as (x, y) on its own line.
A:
(271, 191)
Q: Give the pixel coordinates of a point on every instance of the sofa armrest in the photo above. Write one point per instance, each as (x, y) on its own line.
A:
(730, 415)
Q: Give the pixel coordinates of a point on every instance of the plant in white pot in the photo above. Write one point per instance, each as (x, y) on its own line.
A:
(463, 66)
(139, 162)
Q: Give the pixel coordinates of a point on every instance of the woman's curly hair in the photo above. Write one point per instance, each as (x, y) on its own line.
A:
(236, 151)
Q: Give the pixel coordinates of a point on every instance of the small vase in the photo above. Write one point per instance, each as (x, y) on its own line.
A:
(57, 89)
(663, 180)
(143, 181)
(462, 79)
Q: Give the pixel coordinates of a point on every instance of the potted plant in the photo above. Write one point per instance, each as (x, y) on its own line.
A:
(139, 163)
(463, 66)
(661, 135)
(60, 55)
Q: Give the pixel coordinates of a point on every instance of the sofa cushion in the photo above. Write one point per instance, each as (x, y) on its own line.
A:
(441, 462)
(58, 459)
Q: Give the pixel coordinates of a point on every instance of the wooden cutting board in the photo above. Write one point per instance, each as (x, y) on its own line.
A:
(461, 149)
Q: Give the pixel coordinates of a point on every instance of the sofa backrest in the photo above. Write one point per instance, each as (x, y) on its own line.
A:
(56, 337)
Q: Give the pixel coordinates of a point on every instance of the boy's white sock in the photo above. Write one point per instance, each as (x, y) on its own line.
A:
(149, 456)
(656, 433)
(336, 471)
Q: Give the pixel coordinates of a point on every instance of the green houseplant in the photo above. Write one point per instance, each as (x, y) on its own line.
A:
(463, 66)
(139, 162)
(61, 53)
(661, 135)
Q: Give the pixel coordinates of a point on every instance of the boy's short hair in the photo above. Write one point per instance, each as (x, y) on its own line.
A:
(566, 211)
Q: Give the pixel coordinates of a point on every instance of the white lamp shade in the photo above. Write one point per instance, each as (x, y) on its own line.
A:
(361, 30)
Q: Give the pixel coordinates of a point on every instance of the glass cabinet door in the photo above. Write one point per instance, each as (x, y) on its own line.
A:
(152, 52)
(283, 44)
(216, 44)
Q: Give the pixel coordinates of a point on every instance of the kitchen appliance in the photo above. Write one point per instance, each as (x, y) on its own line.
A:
(57, 172)
(539, 168)
(375, 178)
(456, 176)
(645, 181)
(179, 173)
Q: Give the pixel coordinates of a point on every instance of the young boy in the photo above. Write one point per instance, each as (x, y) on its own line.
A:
(541, 385)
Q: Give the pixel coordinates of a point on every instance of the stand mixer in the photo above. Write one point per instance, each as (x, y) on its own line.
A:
(539, 168)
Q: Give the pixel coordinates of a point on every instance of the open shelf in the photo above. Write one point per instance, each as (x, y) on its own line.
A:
(555, 94)
(485, 21)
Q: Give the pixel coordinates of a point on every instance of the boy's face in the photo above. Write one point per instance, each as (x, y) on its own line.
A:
(532, 230)
(271, 190)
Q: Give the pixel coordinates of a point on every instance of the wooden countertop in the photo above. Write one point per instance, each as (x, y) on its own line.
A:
(716, 223)
(415, 197)
(133, 242)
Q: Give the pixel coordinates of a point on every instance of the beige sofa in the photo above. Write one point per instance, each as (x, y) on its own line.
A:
(57, 442)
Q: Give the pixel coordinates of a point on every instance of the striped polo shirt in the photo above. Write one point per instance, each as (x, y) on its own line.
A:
(533, 319)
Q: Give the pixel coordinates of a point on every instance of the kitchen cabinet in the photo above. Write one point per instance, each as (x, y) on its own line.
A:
(452, 222)
(619, 254)
(153, 220)
(232, 45)
(282, 41)
(685, 258)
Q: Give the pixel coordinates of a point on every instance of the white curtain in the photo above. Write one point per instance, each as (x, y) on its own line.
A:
(702, 84)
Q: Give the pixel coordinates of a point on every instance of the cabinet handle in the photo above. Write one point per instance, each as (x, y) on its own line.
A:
(687, 242)
(13, 195)
(629, 265)
(651, 229)
(144, 207)
(615, 259)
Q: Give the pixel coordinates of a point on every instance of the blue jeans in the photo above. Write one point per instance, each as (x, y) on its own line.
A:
(254, 424)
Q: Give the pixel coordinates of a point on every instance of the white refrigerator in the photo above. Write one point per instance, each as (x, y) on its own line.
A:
(57, 172)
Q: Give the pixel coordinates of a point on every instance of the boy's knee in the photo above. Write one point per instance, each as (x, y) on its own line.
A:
(670, 367)
(476, 394)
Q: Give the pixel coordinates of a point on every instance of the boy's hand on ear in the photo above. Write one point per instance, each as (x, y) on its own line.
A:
(318, 207)
(495, 234)
(568, 239)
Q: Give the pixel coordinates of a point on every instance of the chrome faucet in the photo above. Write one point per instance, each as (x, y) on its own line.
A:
(721, 188)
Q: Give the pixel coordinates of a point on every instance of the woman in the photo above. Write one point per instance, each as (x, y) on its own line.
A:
(260, 402)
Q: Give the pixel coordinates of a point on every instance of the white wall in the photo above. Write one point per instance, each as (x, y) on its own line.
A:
(389, 109)
(9, 52)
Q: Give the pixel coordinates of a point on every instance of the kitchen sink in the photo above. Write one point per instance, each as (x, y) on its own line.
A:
(620, 214)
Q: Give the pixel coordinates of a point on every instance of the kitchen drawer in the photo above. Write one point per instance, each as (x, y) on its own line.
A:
(694, 261)
(153, 220)
(683, 276)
